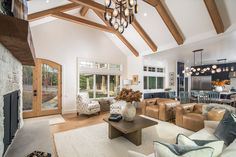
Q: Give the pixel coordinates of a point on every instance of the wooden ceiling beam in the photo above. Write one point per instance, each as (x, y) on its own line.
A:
(84, 11)
(45, 13)
(120, 36)
(81, 21)
(157, 4)
(92, 5)
(215, 16)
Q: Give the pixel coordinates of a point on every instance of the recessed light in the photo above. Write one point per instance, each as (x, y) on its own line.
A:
(145, 14)
(47, 1)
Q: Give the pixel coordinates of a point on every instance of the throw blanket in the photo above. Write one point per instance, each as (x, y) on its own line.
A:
(207, 107)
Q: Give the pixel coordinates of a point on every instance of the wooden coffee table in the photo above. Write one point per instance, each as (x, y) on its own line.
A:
(130, 130)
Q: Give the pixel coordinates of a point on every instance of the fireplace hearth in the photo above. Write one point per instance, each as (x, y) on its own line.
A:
(11, 117)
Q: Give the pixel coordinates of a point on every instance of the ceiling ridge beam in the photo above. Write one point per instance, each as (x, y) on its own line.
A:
(215, 16)
(144, 35)
(120, 36)
(84, 11)
(48, 12)
(92, 5)
(157, 4)
(81, 21)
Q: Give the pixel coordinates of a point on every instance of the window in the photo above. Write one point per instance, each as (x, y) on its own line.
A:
(101, 86)
(116, 67)
(153, 82)
(96, 65)
(144, 68)
(99, 79)
(86, 84)
(114, 85)
(160, 81)
(145, 82)
(97, 85)
(153, 69)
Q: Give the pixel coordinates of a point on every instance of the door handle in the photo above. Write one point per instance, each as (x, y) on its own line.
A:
(35, 92)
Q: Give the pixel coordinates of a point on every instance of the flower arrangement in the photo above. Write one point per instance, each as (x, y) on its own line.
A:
(129, 95)
(221, 83)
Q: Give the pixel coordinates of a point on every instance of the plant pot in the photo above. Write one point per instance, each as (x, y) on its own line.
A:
(129, 112)
(219, 88)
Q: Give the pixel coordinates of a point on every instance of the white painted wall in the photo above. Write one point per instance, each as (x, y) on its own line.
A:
(215, 48)
(62, 42)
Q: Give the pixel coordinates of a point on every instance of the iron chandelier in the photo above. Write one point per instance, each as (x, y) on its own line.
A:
(122, 13)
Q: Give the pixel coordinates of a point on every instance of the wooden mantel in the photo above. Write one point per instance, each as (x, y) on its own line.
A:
(15, 35)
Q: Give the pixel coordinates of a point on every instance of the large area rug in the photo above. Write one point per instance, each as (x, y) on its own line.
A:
(93, 141)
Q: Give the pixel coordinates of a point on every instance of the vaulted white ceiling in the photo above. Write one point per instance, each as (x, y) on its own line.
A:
(190, 16)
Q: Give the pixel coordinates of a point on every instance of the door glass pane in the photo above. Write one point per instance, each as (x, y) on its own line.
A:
(101, 86)
(86, 84)
(49, 87)
(152, 82)
(160, 81)
(27, 88)
(114, 85)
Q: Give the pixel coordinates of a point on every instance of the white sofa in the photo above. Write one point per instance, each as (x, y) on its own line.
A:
(206, 133)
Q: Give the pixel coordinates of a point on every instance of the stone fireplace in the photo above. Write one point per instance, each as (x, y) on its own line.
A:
(10, 81)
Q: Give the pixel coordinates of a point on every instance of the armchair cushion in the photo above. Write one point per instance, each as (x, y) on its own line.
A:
(84, 97)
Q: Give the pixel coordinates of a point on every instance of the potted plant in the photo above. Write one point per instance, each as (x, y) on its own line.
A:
(130, 97)
(219, 85)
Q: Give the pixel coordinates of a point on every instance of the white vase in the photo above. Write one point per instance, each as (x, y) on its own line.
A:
(129, 112)
(219, 88)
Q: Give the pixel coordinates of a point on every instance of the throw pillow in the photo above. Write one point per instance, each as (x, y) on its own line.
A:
(215, 144)
(230, 150)
(226, 130)
(174, 150)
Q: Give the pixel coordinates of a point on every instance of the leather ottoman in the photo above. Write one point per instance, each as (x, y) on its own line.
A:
(193, 121)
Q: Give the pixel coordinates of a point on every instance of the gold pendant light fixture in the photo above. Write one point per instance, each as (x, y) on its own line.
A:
(122, 15)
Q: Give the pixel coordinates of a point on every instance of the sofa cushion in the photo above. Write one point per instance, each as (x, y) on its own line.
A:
(174, 150)
(215, 144)
(230, 151)
(226, 130)
(204, 134)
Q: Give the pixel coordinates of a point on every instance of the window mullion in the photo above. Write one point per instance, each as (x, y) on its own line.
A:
(94, 86)
(108, 86)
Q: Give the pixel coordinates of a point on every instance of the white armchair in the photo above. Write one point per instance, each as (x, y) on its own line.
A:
(85, 105)
(117, 107)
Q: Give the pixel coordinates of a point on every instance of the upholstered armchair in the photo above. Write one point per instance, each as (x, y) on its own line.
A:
(117, 107)
(159, 108)
(85, 105)
(190, 116)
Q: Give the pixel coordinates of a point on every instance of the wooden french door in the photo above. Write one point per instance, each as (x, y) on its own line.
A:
(42, 89)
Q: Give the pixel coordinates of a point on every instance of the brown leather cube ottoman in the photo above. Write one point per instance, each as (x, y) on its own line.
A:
(193, 121)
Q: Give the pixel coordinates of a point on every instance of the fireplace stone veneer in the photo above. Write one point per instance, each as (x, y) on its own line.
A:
(10, 80)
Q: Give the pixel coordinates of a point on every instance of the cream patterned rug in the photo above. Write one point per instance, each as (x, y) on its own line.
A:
(93, 141)
(52, 120)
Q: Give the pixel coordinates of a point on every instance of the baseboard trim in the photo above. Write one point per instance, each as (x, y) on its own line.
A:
(69, 111)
